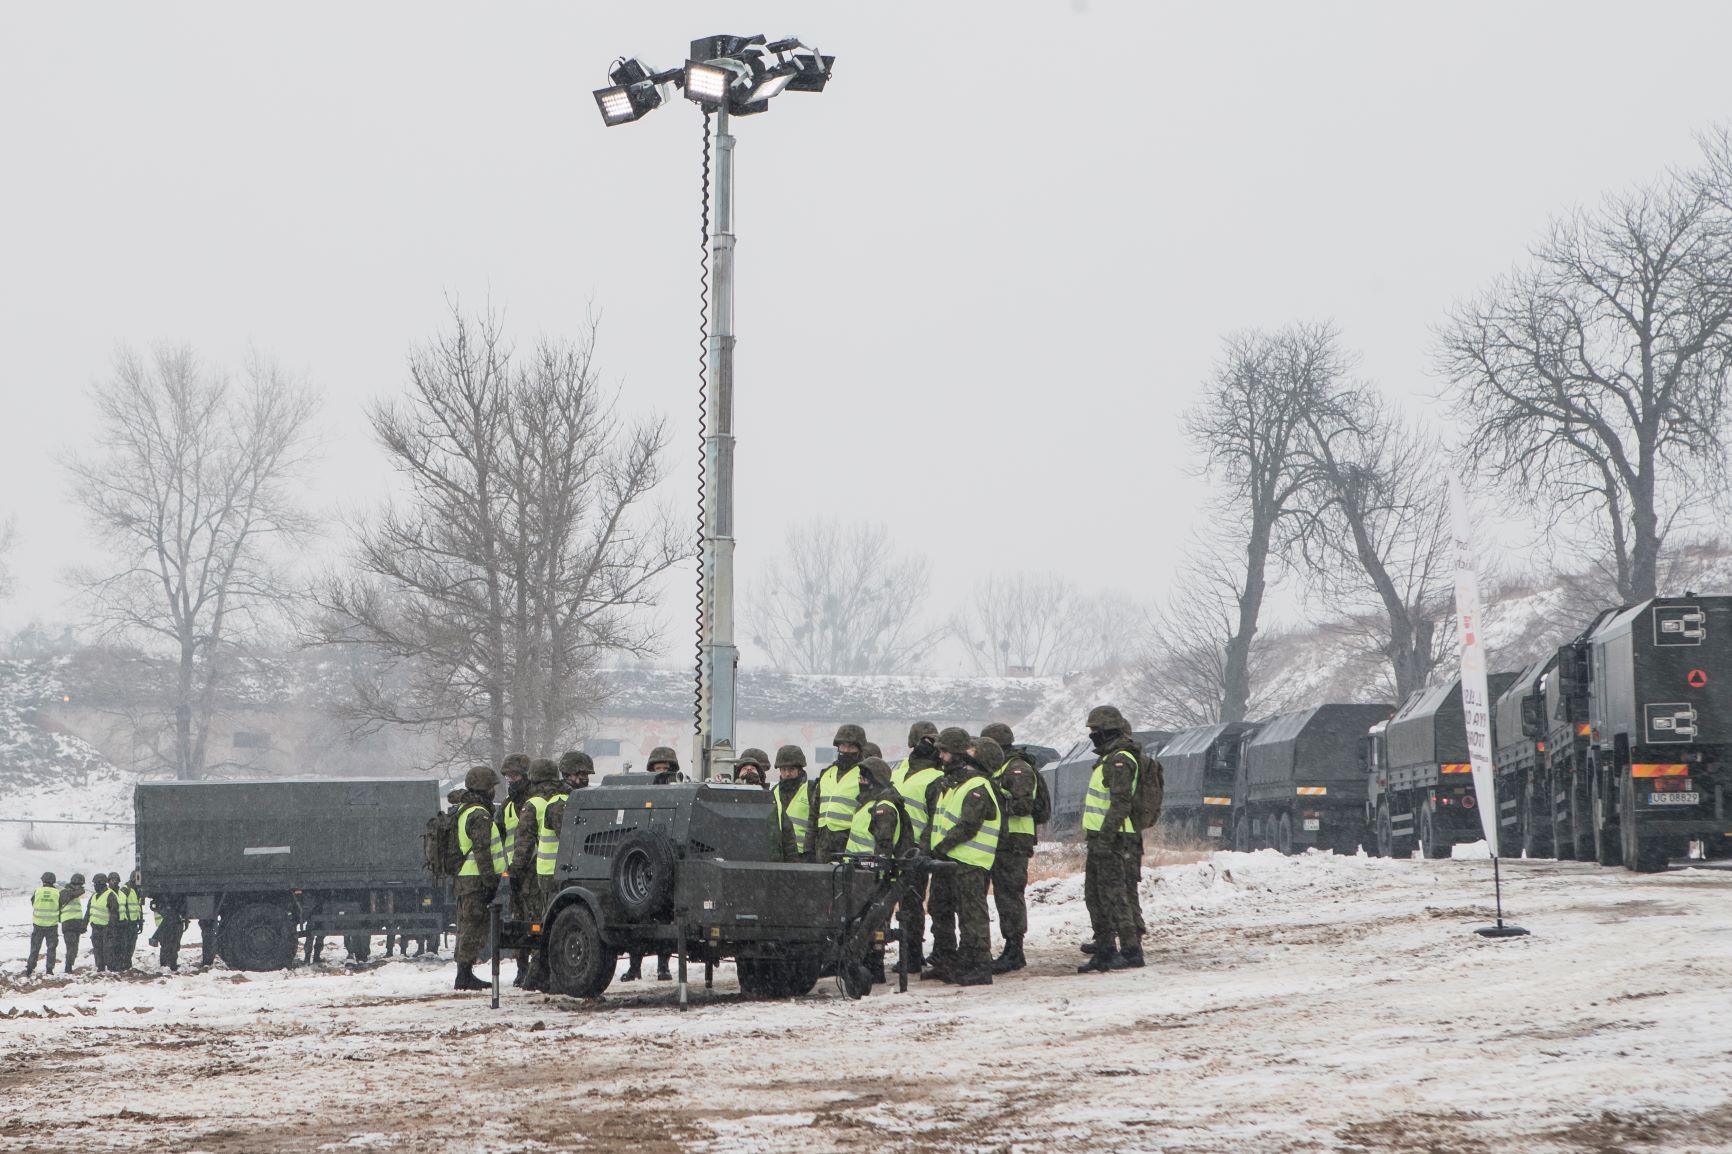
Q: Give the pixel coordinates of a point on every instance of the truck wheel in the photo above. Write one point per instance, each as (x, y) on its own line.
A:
(1608, 847)
(1383, 832)
(802, 975)
(1242, 833)
(1563, 834)
(1536, 828)
(1581, 817)
(257, 937)
(1430, 844)
(1284, 834)
(579, 964)
(642, 874)
(1646, 855)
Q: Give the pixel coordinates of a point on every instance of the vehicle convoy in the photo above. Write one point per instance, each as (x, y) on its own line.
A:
(272, 861)
(685, 868)
(1523, 774)
(1420, 780)
(1300, 781)
(1067, 779)
(1202, 769)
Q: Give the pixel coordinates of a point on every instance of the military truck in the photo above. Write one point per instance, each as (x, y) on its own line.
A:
(272, 861)
(1067, 779)
(1200, 770)
(1300, 781)
(1420, 782)
(1658, 760)
(1523, 772)
(685, 868)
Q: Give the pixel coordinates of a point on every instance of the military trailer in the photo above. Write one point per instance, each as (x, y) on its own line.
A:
(685, 868)
(1301, 782)
(271, 861)
(1420, 780)
(1067, 779)
(1659, 756)
(1200, 770)
(1523, 775)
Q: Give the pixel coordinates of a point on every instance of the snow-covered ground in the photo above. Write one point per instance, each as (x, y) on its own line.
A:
(1290, 1004)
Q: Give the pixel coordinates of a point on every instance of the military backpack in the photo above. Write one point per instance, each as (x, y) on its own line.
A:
(1151, 791)
(439, 845)
(1042, 792)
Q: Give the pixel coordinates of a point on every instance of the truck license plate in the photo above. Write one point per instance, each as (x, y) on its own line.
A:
(1214, 831)
(1313, 823)
(1694, 797)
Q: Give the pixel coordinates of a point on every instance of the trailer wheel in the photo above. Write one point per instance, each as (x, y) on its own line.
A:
(642, 874)
(1646, 855)
(1430, 845)
(1608, 842)
(257, 937)
(580, 965)
(1284, 834)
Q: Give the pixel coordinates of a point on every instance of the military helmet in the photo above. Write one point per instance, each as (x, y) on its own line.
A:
(574, 762)
(790, 757)
(876, 769)
(454, 796)
(514, 763)
(988, 753)
(954, 741)
(48, 878)
(481, 779)
(113, 877)
(662, 753)
(754, 756)
(77, 879)
(1107, 717)
(870, 749)
(849, 734)
(919, 730)
(541, 771)
(999, 732)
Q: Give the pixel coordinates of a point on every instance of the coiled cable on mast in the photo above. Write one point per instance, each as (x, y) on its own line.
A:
(703, 424)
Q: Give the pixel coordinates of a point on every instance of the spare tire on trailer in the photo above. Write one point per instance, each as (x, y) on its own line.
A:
(642, 874)
(257, 936)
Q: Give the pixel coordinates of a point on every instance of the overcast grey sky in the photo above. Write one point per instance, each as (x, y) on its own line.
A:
(980, 275)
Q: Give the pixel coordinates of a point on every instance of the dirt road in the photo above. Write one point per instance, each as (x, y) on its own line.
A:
(1309, 1004)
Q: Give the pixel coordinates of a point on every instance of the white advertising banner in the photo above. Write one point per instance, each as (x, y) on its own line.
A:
(1475, 699)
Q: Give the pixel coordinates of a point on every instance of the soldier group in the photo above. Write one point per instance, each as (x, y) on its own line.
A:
(113, 911)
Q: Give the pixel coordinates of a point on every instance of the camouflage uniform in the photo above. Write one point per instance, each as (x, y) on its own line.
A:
(72, 926)
(100, 936)
(910, 908)
(839, 782)
(532, 890)
(880, 827)
(1110, 848)
(784, 839)
(1015, 780)
(973, 957)
(476, 891)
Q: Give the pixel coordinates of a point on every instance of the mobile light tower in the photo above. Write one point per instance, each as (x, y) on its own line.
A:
(726, 76)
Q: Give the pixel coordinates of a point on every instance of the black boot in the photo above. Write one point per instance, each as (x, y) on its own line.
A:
(1101, 958)
(977, 971)
(1011, 958)
(634, 971)
(663, 974)
(466, 979)
(1131, 957)
(522, 975)
(1087, 947)
(875, 964)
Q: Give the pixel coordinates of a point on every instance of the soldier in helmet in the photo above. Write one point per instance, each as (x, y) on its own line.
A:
(1015, 780)
(482, 872)
(575, 768)
(871, 749)
(532, 861)
(966, 829)
(101, 913)
(751, 768)
(72, 917)
(664, 769)
(839, 792)
(1108, 830)
(44, 924)
(916, 779)
(880, 827)
(794, 803)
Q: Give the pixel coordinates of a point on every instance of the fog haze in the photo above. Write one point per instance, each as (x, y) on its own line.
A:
(980, 276)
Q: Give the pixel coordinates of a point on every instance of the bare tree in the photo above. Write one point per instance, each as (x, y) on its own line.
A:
(1184, 668)
(523, 552)
(1250, 426)
(1018, 622)
(1594, 378)
(192, 490)
(840, 600)
(1373, 529)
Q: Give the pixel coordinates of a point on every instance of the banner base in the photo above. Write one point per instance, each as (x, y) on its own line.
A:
(1501, 931)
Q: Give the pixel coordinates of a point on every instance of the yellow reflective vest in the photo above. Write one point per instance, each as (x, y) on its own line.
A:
(860, 836)
(546, 839)
(466, 845)
(838, 797)
(981, 849)
(1099, 798)
(131, 907)
(45, 907)
(96, 909)
(913, 786)
(797, 814)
